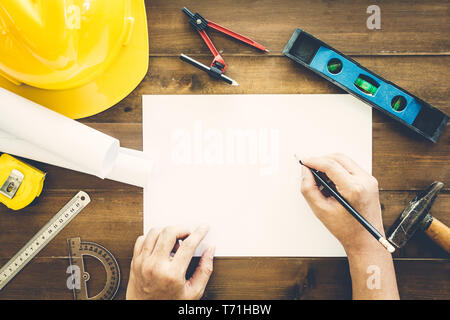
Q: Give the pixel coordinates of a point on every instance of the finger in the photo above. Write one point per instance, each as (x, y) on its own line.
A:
(333, 169)
(315, 198)
(138, 246)
(310, 189)
(189, 245)
(349, 164)
(150, 240)
(200, 278)
(167, 239)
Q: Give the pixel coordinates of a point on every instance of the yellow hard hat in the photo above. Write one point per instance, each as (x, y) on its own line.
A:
(76, 57)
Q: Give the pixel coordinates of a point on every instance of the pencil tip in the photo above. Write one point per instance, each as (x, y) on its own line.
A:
(267, 50)
(234, 83)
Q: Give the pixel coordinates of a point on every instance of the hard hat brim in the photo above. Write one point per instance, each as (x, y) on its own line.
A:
(120, 78)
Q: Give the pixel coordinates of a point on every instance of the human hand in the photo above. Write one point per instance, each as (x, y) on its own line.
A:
(358, 187)
(157, 275)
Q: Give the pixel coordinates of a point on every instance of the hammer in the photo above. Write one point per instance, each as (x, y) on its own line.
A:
(416, 216)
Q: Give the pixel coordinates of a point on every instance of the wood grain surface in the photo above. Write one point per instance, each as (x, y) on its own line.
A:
(412, 49)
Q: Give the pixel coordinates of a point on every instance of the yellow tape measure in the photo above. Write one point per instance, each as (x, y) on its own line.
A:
(20, 183)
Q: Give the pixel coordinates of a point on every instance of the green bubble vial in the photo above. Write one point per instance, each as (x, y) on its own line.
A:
(366, 86)
(334, 66)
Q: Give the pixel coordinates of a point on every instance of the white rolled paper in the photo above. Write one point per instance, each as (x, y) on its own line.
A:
(31, 131)
(131, 166)
(90, 150)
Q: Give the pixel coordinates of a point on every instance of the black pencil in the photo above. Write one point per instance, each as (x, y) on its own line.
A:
(366, 224)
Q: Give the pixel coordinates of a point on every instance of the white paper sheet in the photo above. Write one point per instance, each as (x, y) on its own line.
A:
(228, 161)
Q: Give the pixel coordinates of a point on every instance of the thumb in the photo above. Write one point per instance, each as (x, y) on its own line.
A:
(202, 274)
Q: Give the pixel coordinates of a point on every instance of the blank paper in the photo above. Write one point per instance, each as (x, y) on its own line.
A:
(228, 161)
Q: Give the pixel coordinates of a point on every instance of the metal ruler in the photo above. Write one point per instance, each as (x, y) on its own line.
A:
(78, 249)
(43, 237)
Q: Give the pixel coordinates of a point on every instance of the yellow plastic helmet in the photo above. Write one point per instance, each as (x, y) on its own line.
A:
(76, 57)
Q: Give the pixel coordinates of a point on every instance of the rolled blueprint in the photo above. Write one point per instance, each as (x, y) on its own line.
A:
(52, 133)
(130, 167)
(31, 131)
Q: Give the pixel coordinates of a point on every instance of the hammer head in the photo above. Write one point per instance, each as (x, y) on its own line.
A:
(412, 218)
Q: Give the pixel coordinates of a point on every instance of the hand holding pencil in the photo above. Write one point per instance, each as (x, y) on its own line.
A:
(357, 187)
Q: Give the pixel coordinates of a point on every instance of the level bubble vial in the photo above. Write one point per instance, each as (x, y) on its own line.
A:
(366, 85)
(334, 66)
(398, 103)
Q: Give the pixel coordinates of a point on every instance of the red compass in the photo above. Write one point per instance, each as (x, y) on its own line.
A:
(218, 65)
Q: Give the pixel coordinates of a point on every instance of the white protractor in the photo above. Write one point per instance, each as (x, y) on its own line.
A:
(43, 237)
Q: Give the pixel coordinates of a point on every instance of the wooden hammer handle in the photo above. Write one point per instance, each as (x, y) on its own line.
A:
(440, 234)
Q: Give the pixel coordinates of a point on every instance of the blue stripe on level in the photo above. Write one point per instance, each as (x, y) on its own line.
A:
(350, 73)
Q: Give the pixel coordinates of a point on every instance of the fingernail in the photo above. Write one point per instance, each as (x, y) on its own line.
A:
(211, 252)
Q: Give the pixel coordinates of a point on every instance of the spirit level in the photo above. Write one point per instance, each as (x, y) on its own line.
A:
(367, 86)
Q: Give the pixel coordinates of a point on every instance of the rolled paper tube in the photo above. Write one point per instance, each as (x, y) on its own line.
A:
(131, 166)
(49, 132)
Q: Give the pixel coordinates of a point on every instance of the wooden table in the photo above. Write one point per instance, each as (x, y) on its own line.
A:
(411, 49)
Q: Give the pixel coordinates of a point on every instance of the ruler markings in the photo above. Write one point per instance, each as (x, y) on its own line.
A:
(43, 237)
